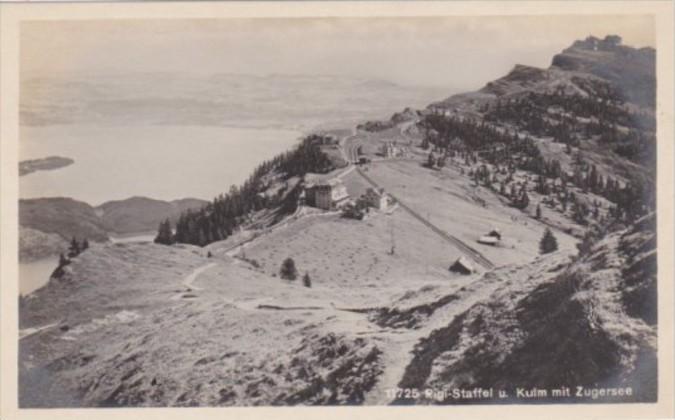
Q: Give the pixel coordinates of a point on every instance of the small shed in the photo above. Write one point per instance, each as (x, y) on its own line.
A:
(492, 238)
(462, 266)
(495, 233)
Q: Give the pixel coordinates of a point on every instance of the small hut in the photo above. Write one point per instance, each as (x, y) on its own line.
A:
(495, 233)
(462, 266)
(492, 238)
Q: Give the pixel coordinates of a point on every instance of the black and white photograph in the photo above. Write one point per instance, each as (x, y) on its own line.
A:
(438, 210)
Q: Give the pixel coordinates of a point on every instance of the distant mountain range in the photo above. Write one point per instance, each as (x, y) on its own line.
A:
(293, 101)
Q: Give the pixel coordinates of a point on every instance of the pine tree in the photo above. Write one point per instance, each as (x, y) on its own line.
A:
(306, 280)
(63, 260)
(288, 270)
(538, 213)
(548, 242)
(164, 233)
(85, 244)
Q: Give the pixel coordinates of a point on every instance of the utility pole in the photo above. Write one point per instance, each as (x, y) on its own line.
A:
(392, 238)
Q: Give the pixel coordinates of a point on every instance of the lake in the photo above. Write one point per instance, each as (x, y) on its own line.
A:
(35, 274)
(156, 161)
(162, 162)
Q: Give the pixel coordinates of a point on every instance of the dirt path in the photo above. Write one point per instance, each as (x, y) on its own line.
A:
(189, 280)
(192, 277)
(398, 351)
(27, 332)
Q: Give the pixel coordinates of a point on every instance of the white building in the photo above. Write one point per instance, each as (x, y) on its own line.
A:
(376, 198)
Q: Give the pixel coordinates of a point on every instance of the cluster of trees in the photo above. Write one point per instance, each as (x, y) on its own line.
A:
(603, 103)
(556, 115)
(289, 272)
(455, 133)
(506, 151)
(375, 126)
(358, 210)
(636, 145)
(75, 249)
(219, 218)
(436, 161)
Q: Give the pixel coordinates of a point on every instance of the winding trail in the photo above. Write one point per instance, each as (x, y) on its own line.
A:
(189, 280)
(27, 332)
(192, 277)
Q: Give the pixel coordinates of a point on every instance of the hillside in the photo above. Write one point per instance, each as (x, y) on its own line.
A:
(589, 323)
(631, 70)
(597, 96)
(141, 214)
(47, 224)
(63, 216)
(332, 343)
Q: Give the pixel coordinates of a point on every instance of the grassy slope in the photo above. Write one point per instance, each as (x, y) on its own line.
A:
(131, 335)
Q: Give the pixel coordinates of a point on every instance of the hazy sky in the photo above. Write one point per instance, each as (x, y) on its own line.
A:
(456, 52)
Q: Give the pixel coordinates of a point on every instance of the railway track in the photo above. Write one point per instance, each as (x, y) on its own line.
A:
(479, 258)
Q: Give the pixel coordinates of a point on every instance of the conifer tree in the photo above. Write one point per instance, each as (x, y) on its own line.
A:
(288, 270)
(164, 233)
(306, 280)
(538, 213)
(548, 242)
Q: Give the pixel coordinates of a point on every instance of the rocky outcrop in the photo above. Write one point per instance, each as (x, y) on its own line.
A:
(631, 70)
